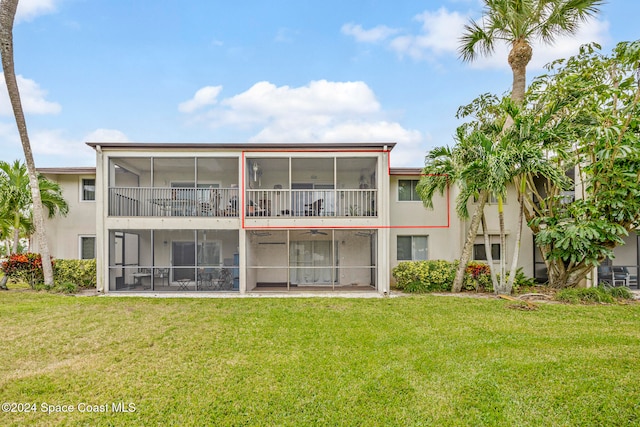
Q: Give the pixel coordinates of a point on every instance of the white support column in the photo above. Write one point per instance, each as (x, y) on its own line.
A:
(384, 257)
(102, 239)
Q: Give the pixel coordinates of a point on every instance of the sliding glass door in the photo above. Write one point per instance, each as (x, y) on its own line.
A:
(311, 262)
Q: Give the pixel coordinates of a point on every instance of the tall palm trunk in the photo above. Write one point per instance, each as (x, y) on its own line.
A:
(468, 244)
(519, 56)
(516, 249)
(7, 16)
(487, 251)
(16, 233)
(502, 289)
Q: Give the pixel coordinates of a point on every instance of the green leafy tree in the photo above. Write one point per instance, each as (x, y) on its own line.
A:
(517, 23)
(7, 16)
(592, 101)
(17, 206)
(487, 159)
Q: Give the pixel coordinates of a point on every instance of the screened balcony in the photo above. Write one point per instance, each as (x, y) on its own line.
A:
(173, 186)
(302, 187)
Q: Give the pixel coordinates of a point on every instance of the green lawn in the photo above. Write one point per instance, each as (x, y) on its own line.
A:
(421, 360)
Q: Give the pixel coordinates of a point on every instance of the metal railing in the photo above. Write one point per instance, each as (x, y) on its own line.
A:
(164, 202)
(301, 203)
(224, 202)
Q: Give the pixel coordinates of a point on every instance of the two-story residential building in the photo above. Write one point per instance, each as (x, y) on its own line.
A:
(250, 217)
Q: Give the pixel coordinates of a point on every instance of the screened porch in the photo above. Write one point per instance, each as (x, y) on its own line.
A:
(322, 259)
(173, 260)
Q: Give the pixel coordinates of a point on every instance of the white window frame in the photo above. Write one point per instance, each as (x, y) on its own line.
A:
(84, 236)
(398, 192)
(413, 254)
(493, 240)
(81, 195)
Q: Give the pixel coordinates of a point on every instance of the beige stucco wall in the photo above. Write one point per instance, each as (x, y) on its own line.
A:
(447, 232)
(63, 233)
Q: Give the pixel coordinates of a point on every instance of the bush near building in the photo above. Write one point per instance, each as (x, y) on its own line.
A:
(438, 275)
(69, 274)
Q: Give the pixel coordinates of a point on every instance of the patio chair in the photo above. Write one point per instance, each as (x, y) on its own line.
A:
(162, 274)
(613, 276)
(314, 209)
(212, 206)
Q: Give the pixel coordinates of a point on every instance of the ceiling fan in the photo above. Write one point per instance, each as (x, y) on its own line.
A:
(260, 233)
(315, 232)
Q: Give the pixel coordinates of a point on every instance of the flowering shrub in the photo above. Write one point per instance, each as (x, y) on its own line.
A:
(25, 267)
(478, 277)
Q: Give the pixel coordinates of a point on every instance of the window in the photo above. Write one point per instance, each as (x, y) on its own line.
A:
(407, 190)
(87, 247)
(479, 254)
(88, 189)
(493, 200)
(412, 248)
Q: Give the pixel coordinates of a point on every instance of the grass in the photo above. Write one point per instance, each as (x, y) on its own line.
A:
(422, 360)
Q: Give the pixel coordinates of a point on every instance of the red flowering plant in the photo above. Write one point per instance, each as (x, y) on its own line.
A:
(25, 267)
(478, 277)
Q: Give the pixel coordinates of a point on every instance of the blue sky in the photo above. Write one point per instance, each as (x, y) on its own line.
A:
(259, 71)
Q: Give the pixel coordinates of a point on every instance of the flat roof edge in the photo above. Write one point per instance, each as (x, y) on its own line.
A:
(257, 146)
(68, 170)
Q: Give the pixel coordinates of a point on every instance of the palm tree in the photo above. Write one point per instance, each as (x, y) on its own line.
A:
(518, 23)
(7, 16)
(17, 205)
(443, 167)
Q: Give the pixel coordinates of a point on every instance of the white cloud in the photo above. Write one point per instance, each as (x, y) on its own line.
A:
(29, 9)
(321, 111)
(375, 34)
(319, 97)
(202, 98)
(440, 31)
(31, 95)
(439, 34)
(54, 142)
(106, 135)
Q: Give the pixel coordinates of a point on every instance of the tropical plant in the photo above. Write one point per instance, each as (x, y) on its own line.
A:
(487, 159)
(17, 206)
(593, 104)
(7, 16)
(518, 23)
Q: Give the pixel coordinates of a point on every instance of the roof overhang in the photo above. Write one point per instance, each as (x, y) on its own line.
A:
(90, 170)
(247, 146)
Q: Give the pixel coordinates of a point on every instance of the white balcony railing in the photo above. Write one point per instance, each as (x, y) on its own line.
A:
(300, 203)
(224, 202)
(145, 201)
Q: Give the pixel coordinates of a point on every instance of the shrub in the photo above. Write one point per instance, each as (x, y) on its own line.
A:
(425, 276)
(65, 288)
(601, 294)
(620, 292)
(81, 272)
(25, 267)
(477, 277)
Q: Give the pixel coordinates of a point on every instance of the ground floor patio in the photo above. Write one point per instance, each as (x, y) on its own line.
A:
(240, 261)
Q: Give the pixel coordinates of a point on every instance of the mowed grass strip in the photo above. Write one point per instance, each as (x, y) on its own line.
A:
(423, 360)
